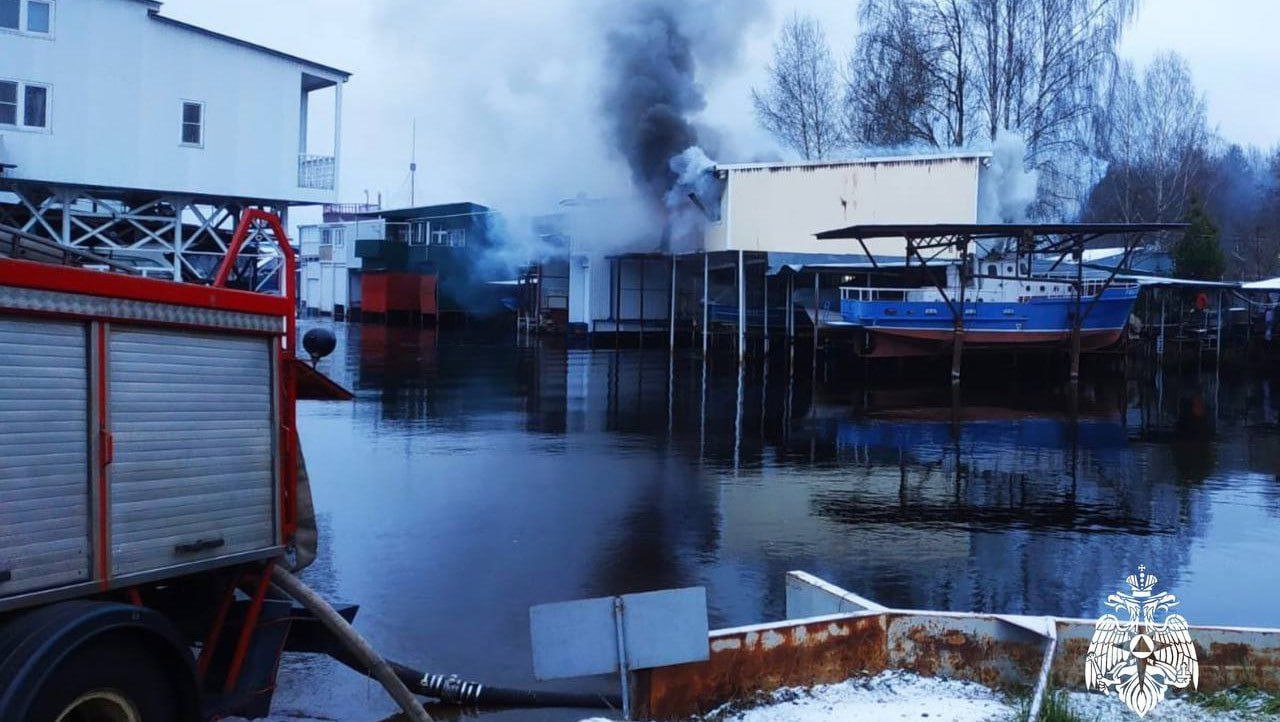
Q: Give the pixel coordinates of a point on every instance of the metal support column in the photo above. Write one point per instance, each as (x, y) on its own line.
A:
(1077, 319)
(1218, 342)
(617, 302)
(1160, 337)
(791, 329)
(706, 293)
(957, 338)
(765, 306)
(791, 309)
(742, 306)
(643, 319)
(817, 314)
(671, 331)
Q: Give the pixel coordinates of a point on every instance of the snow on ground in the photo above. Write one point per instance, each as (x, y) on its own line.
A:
(1096, 707)
(888, 696)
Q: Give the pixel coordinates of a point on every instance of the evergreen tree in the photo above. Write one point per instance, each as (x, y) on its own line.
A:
(1197, 254)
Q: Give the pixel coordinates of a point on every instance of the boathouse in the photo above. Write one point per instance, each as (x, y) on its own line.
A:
(373, 263)
(761, 229)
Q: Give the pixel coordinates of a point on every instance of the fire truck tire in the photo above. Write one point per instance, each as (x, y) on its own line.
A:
(109, 680)
(85, 661)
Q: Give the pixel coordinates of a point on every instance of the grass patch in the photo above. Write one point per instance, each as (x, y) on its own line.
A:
(1054, 708)
(1244, 699)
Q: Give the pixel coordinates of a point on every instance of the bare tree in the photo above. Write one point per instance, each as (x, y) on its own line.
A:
(890, 93)
(977, 67)
(907, 80)
(801, 105)
(1153, 132)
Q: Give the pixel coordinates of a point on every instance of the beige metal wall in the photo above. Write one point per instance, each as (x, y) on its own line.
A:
(780, 208)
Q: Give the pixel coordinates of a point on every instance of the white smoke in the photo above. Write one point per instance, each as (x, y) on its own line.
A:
(1007, 189)
(694, 198)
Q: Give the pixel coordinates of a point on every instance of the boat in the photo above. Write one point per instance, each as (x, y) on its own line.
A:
(1006, 304)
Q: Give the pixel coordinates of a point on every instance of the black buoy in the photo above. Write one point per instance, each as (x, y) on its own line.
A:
(319, 342)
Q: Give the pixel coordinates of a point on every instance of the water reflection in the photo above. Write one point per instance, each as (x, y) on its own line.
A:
(471, 479)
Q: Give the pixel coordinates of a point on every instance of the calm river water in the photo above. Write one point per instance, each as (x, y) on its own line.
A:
(471, 479)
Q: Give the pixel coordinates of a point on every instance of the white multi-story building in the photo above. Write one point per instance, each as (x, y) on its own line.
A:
(138, 136)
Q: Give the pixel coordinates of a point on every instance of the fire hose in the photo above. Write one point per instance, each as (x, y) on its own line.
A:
(357, 647)
(402, 682)
(451, 689)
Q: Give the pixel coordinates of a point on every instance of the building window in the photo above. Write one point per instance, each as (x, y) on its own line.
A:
(418, 236)
(192, 123)
(8, 103)
(24, 105)
(458, 237)
(31, 16)
(35, 106)
(440, 238)
(39, 16)
(331, 238)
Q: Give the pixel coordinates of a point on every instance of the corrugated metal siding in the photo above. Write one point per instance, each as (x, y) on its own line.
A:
(44, 454)
(191, 416)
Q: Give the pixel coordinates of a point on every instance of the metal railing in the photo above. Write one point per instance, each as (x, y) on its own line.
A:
(317, 171)
(850, 293)
(345, 212)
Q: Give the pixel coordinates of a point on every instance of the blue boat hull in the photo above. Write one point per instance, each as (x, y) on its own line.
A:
(914, 328)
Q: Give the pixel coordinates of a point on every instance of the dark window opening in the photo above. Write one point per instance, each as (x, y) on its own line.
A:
(192, 124)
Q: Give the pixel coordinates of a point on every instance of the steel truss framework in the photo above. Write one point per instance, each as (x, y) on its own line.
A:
(1029, 240)
(183, 237)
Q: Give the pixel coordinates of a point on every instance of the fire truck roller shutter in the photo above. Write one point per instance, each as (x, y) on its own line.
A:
(44, 454)
(193, 478)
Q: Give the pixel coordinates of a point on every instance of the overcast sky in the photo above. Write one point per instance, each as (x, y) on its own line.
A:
(504, 92)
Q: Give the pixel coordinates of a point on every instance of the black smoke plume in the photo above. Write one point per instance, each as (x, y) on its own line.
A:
(654, 52)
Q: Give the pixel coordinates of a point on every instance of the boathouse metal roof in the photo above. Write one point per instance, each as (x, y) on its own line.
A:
(993, 230)
(831, 262)
(888, 159)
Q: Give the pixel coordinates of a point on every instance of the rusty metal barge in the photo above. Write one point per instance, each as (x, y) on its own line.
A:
(832, 635)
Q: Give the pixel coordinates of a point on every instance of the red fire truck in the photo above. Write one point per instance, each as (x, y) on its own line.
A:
(149, 472)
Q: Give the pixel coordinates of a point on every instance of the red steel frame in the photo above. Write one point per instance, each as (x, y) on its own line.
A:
(288, 387)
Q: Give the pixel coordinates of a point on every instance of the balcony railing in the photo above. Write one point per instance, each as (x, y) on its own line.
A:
(316, 171)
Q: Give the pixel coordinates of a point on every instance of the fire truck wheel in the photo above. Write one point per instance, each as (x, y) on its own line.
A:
(94, 661)
(110, 680)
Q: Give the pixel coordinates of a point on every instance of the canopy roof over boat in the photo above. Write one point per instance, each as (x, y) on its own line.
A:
(1169, 282)
(994, 230)
(1269, 284)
